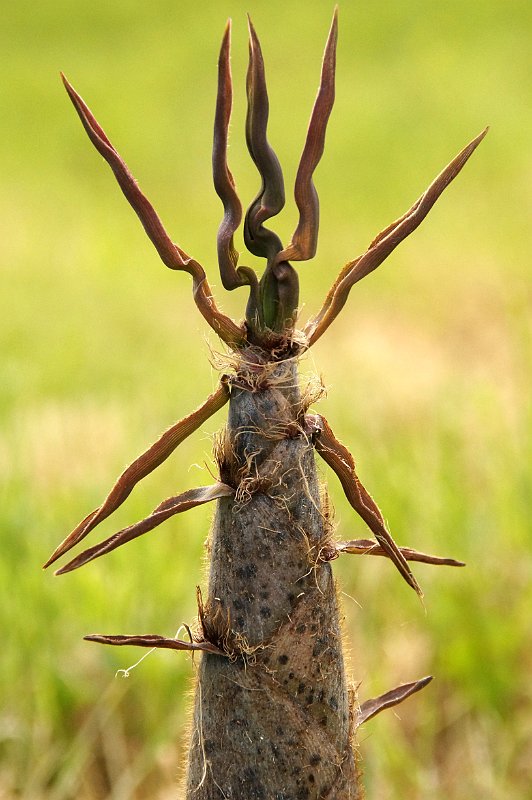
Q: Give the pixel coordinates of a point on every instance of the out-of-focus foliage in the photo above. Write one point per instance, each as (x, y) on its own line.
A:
(428, 369)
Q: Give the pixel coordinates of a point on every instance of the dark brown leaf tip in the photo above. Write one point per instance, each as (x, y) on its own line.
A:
(153, 640)
(305, 238)
(270, 200)
(168, 508)
(389, 699)
(367, 547)
(273, 302)
(170, 253)
(385, 242)
(338, 457)
(224, 184)
(137, 471)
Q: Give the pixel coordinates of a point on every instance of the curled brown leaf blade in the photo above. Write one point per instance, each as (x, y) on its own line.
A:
(270, 200)
(385, 242)
(142, 466)
(170, 253)
(224, 183)
(305, 238)
(168, 508)
(153, 640)
(367, 547)
(338, 457)
(371, 708)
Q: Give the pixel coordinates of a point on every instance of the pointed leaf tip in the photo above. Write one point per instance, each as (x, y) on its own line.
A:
(225, 37)
(338, 457)
(141, 467)
(153, 640)
(253, 38)
(375, 705)
(386, 241)
(168, 508)
(270, 200)
(371, 548)
(224, 183)
(304, 241)
(170, 253)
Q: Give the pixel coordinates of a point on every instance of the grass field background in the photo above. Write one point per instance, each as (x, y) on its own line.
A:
(428, 374)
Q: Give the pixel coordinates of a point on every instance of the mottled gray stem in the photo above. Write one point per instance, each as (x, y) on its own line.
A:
(274, 721)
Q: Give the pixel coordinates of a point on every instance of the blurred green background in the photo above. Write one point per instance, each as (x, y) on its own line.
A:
(428, 373)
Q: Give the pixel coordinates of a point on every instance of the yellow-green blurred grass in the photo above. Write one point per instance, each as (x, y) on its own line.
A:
(428, 373)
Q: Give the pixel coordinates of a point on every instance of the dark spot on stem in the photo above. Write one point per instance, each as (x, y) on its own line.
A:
(319, 647)
(247, 572)
(254, 790)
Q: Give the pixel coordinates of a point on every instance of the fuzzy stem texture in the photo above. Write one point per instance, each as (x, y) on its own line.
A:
(273, 719)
